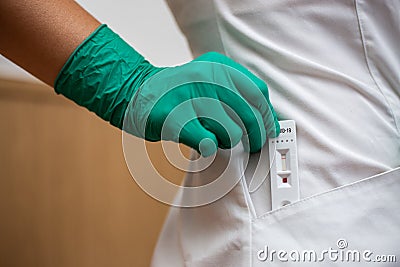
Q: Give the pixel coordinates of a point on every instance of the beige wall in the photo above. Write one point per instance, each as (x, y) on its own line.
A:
(66, 196)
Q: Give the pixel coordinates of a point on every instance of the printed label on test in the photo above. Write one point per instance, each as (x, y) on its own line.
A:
(284, 168)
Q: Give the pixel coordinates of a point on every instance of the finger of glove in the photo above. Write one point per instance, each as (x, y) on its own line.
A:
(269, 115)
(248, 117)
(214, 118)
(257, 96)
(256, 137)
(251, 87)
(222, 59)
(194, 135)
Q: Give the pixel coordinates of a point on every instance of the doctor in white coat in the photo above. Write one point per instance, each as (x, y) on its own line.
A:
(334, 68)
(331, 66)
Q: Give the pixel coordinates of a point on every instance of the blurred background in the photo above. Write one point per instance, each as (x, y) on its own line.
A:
(66, 195)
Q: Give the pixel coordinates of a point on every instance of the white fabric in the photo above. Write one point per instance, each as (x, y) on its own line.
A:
(334, 68)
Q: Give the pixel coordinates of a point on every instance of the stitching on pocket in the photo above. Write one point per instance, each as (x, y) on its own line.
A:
(368, 63)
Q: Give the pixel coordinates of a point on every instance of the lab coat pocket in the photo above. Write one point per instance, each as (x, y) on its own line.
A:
(350, 225)
(215, 234)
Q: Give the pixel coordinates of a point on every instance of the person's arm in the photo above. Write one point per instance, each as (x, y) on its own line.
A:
(40, 35)
(64, 46)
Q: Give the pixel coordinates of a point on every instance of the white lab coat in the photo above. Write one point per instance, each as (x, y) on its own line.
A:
(334, 68)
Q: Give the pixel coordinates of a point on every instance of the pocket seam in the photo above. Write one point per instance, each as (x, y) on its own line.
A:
(368, 63)
(332, 191)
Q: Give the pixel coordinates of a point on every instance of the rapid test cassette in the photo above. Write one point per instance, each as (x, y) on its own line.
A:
(284, 167)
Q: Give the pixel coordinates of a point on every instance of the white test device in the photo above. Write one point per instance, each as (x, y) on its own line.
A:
(284, 168)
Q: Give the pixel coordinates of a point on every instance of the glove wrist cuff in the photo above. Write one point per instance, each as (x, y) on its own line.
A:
(102, 75)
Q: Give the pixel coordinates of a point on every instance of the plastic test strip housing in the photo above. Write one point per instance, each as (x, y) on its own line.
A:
(284, 168)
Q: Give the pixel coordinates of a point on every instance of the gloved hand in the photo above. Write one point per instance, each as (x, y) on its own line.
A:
(207, 103)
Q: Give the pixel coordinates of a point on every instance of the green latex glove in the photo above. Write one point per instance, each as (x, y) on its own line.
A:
(207, 103)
